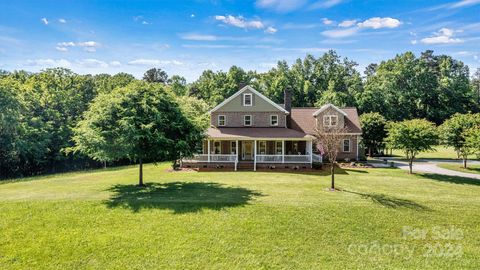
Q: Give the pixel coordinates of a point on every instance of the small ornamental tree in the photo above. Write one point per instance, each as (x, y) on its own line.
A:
(140, 122)
(329, 139)
(374, 131)
(453, 133)
(412, 137)
(472, 140)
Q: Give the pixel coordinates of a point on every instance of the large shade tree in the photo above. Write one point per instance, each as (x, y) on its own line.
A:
(140, 122)
(374, 127)
(412, 137)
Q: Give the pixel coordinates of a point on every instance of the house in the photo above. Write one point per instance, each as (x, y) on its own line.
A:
(248, 130)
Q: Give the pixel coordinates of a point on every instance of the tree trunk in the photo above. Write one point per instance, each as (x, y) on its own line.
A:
(370, 151)
(410, 165)
(464, 162)
(140, 176)
(104, 164)
(332, 172)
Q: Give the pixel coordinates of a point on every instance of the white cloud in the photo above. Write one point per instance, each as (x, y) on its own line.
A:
(92, 63)
(61, 49)
(326, 21)
(48, 63)
(377, 23)
(115, 63)
(271, 30)
(192, 15)
(281, 5)
(62, 20)
(145, 23)
(44, 21)
(347, 23)
(325, 4)
(198, 37)
(443, 36)
(66, 44)
(154, 62)
(413, 42)
(464, 3)
(240, 22)
(340, 33)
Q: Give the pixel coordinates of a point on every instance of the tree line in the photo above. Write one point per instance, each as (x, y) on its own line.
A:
(43, 115)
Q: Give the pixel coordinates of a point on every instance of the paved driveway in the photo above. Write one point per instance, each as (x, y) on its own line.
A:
(430, 166)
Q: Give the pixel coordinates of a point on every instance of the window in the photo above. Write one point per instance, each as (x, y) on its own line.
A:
(262, 147)
(247, 99)
(217, 147)
(222, 121)
(346, 145)
(274, 120)
(247, 120)
(330, 120)
(278, 147)
(233, 147)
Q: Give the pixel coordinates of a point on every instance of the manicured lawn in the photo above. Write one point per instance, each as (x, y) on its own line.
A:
(239, 220)
(471, 168)
(442, 152)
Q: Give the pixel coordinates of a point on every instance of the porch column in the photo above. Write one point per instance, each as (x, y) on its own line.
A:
(358, 139)
(208, 150)
(283, 151)
(310, 149)
(236, 154)
(255, 155)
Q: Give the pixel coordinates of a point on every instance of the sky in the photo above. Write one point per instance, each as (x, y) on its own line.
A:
(187, 37)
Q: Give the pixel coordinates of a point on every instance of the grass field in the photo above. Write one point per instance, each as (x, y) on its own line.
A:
(471, 168)
(240, 220)
(441, 152)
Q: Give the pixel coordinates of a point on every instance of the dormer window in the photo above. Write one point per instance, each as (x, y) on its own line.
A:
(330, 120)
(247, 99)
(273, 120)
(247, 120)
(222, 121)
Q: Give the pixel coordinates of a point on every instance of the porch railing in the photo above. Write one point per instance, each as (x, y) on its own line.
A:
(213, 158)
(317, 158)
(269, 158)
(297, 158)
(283, 159)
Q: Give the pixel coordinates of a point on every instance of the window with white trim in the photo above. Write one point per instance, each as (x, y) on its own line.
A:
(273, 120)
(247, 99)
(222, 120)
(278, 147)
(247, 120)
(330, 120)
(346, 145)
(262, 147)
(233, 147)
(217, 147)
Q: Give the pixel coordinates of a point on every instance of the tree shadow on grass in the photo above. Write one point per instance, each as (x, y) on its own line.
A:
(450, 179)
(180, 197)
(390, 201)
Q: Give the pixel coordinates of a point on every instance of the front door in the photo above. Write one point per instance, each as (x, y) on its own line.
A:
(247, 151)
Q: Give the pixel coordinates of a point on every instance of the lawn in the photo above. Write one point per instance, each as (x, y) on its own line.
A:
(441, 152)
(471, 168)
(240, 220)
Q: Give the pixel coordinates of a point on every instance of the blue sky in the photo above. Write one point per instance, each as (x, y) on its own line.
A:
(187, 37)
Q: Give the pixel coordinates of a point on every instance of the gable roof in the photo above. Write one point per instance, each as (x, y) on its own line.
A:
(326, 106)
(303, 120)
(239, 92)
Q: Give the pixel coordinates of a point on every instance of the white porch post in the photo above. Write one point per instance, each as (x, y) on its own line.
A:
(358, 139)
(236, 154)
(283, 151)
(310, 147)
(208, 149)
(255, 155)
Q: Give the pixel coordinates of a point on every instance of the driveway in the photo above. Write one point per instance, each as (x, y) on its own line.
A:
(430, 166)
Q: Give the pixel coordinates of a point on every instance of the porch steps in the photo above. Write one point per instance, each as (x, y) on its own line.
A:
(245, 166)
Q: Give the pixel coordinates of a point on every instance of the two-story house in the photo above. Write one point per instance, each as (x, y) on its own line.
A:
(248, 130)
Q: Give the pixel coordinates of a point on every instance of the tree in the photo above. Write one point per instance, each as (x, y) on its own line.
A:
(178, 84)
(140, 122)
(155, 75)
(330, 139)
(472, 140)
(374, 131)
(453, 133)
(412, 137)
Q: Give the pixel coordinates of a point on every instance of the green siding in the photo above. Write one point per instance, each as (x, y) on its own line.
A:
(259, 105)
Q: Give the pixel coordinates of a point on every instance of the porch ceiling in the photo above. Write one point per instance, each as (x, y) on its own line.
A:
(256, 133)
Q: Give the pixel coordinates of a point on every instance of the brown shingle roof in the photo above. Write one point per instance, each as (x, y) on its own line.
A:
(243, 132)
(303, 120)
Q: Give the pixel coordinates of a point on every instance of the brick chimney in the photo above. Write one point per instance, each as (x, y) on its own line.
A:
(287, 104)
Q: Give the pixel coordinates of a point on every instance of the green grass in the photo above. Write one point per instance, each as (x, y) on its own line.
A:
(238, 220)
(441, 152)
(471, 168)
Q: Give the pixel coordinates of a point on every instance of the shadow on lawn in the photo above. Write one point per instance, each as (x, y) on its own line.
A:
(181, 197)
(450, 179)
(390, 201)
